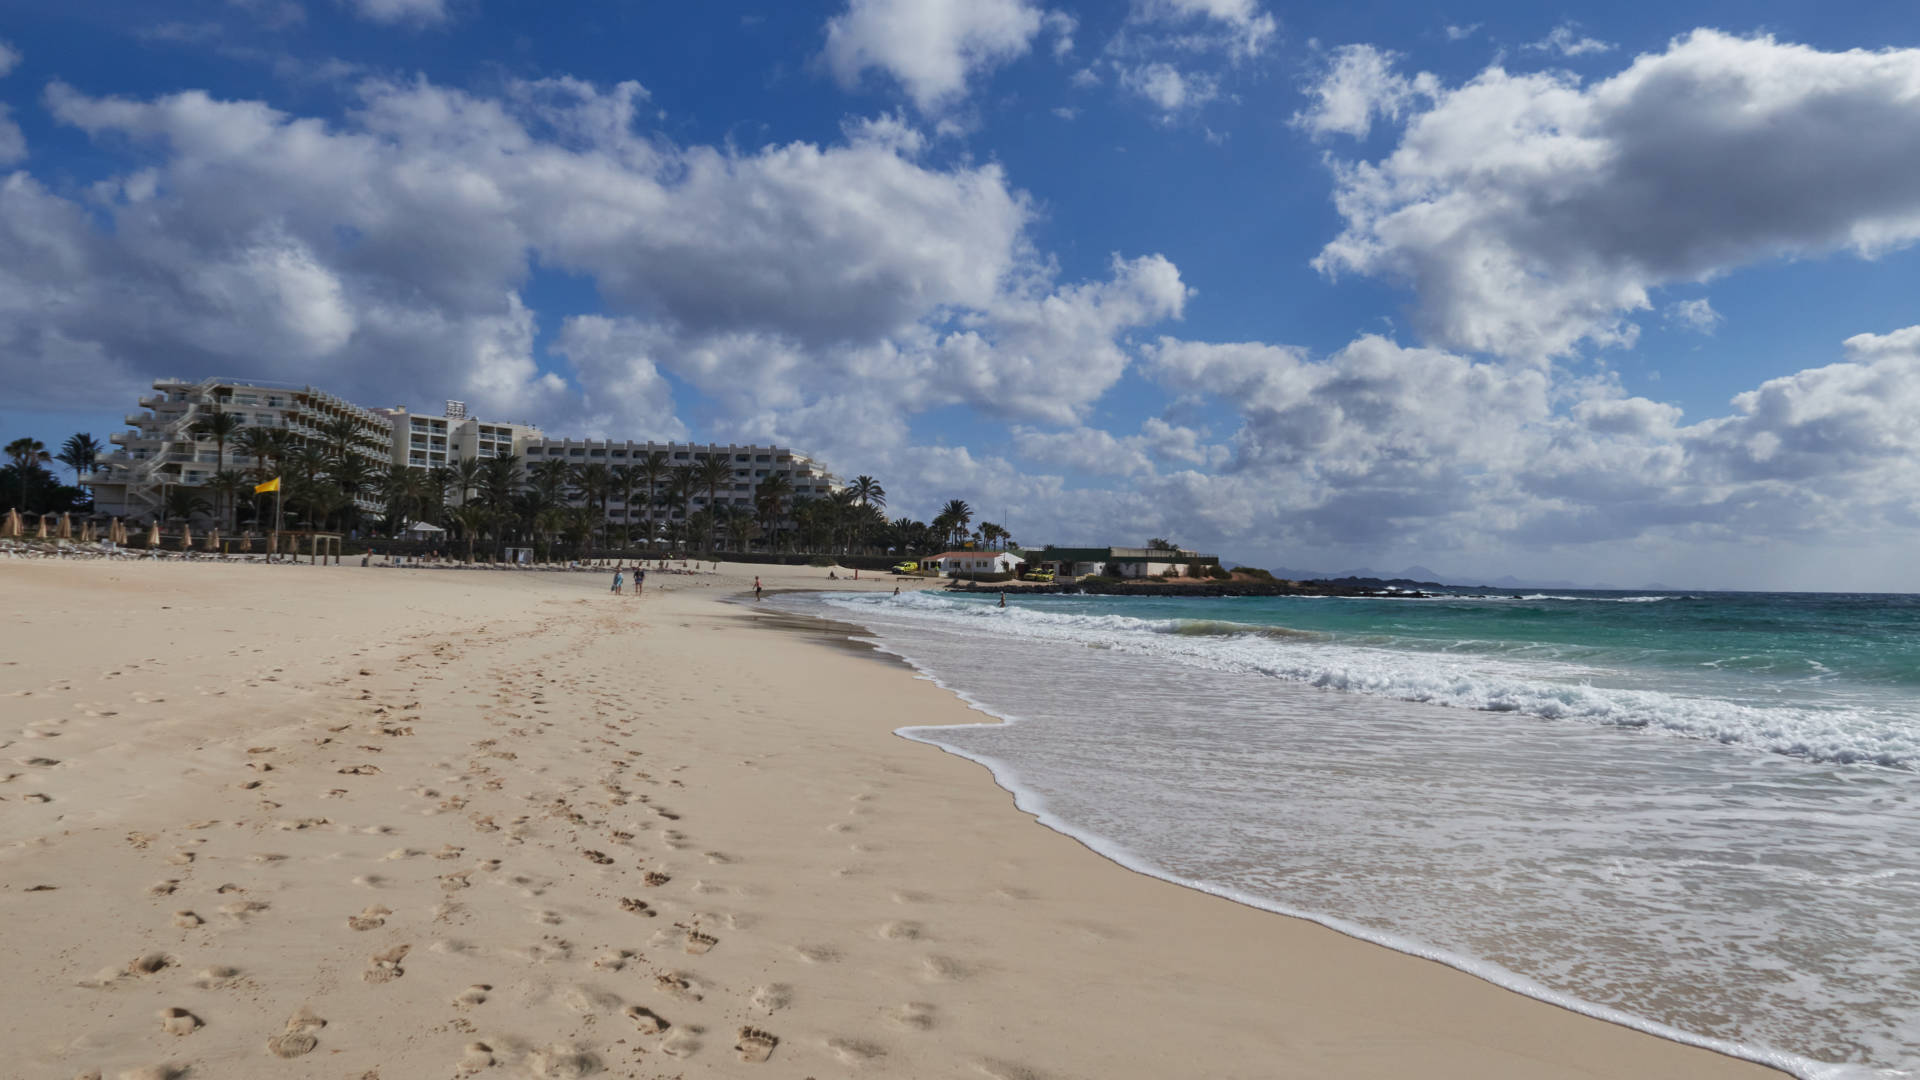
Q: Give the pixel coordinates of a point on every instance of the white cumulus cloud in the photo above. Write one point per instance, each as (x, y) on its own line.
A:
(1531, 212)
(419, 12)
(1566, 40)
(931, 47)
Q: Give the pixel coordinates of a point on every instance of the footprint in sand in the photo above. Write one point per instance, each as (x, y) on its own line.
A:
(943, 969)
(163, 888)
(241, 909)
(298, 1038)
(817, 954)
(755, 1044)
(638, 907)
(648, 1021)
(598, 857)
(771, 998)
(699, 943)
(187, 920)
(917, 1015)
(559, 1062)
(856, 1051)
(216, 976)
(385, 967)
(473, 995)
(655, 878)
(477, 1056)
(674, 984)
(373, 917)
(176, 1021)
(149, 964)
(680, 1044)
(903, 930)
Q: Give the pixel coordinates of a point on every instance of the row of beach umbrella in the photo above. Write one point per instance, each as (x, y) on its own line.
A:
(14, 527)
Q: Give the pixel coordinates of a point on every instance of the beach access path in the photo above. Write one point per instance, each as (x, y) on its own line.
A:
(380, 824)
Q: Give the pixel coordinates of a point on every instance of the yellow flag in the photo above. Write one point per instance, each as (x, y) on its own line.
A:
(271, 485)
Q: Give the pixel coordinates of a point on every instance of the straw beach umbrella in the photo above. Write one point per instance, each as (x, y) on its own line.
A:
(213, 540)
(153, 536)
(246, 543)
(41, 532)
(186, 537)
(66, 527)
(13, 527)
(86, 531)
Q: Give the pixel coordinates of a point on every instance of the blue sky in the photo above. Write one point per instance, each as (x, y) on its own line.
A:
(1582, 292)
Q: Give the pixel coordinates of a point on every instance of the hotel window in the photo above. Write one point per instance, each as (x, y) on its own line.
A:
(619, 453)
(681, 456)
(763, 457)
(577, 452)
(535, 451)
(597, 453)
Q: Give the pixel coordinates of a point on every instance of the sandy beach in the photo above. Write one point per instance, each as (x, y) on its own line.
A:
(346, 822)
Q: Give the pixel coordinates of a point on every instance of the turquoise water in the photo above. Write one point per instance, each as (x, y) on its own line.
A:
(1695, 813)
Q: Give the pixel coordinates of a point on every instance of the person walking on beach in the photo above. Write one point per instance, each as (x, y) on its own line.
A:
(756, 586)
(639, 579)
(617, 578)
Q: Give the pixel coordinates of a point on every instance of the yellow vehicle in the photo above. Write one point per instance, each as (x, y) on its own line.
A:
(1037, 575)
(908, 567)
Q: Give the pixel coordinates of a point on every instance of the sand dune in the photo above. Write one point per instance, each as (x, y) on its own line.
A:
(341, 822)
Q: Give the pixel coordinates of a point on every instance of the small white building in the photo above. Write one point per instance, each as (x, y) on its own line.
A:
(422, 530)
(973, 562)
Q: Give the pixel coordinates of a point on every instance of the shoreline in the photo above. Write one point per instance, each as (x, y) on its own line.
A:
(873, 909)
(1033, 804)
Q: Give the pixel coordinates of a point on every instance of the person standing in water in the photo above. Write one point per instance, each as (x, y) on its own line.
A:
(756, 586)
(1003, 599)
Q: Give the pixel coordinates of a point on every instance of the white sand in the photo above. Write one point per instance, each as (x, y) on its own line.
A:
(354, 823)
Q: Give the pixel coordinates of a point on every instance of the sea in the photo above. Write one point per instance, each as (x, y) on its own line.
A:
(1697, 814)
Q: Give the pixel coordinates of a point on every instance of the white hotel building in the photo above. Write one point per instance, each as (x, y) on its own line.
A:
(162, 450)
(751, 464)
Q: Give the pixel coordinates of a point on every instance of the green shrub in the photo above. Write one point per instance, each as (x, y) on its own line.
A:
(819, 560)
(1255, 572)
(1218, 572)
(1099, 579)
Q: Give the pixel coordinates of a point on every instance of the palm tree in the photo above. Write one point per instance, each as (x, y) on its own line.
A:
(715, 470)
(267, 447)
(549, 478)
(405, 490)
(770, 503)
(27, 454)
(738, 521)
(868, 492)
(227, 486)
(622, 480)
(472, 520)
(182, 502)
(959, 515)
(991, 534)
(465, 477)
(502, 479)
(651, 470)
(682, 482)
(593, 482)
(79, 453)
